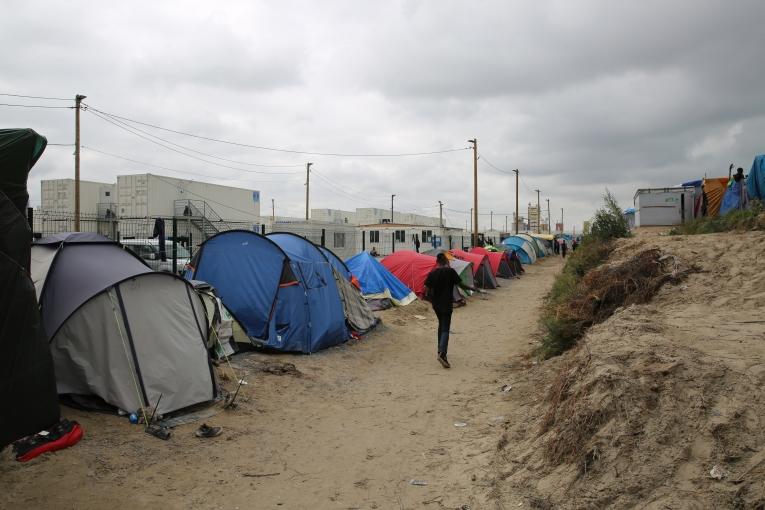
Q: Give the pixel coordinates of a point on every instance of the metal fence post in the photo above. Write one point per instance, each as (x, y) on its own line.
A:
(363, 240)
(323, 237)
(175, 245)
(393, 240)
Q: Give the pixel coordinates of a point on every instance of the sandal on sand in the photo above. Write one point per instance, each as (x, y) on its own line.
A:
(207, 431)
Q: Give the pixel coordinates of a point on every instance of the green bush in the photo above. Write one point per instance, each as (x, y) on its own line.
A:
(752, 218)
(609, 221)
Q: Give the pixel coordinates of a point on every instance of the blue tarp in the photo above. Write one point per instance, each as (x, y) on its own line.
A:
(756, 178)
(280, 288)
(377, 282)
(732, 200)
(522, 247)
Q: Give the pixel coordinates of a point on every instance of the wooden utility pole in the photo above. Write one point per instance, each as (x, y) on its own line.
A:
(307, 186)
(516, 200)
(539, 214)
(561, 220)
(549, 219)
(391, 208)
(491, 220)
(273, 213)
(474, 141)
(440, 214)
(77, 101)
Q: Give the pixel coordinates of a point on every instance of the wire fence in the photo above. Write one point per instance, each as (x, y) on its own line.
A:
(184, 234)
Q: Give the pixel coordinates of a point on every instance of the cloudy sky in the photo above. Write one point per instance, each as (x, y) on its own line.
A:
(578, 95)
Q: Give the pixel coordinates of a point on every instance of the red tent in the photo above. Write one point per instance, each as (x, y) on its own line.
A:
(500, 265)
(482, 271)
(411, 268)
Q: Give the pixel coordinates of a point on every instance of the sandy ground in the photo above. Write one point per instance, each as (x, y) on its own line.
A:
(350, 431)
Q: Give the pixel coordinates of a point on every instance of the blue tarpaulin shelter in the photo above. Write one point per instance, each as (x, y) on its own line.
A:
(377, 283)
(279, 287)
(756, 178)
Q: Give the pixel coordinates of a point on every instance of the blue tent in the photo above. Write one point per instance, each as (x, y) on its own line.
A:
(522, 247)
(734, 198)
(336, 262)
(756, 178)
(280, 288)
(377, 282)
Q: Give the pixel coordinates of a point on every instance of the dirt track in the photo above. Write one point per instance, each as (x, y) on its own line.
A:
(350, 432)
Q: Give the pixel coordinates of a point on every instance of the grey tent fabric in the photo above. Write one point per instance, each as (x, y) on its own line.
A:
(358, 314)
(128, 339)
(102, 260)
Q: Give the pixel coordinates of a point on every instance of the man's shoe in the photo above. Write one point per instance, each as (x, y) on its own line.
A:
(444, 363)
(207, 431)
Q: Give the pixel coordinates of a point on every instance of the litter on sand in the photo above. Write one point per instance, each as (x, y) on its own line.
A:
(460, 424)
(506, 388)
(717, 472)
(414, 481)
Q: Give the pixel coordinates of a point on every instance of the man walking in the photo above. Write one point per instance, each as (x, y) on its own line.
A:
(439, 289)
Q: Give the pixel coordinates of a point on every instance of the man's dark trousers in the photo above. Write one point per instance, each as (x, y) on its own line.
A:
(444, 323)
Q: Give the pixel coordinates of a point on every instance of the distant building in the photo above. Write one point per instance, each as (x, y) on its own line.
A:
(389, 237)
(57, 195)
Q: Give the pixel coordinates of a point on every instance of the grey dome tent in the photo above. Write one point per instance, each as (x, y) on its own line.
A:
(119, 330)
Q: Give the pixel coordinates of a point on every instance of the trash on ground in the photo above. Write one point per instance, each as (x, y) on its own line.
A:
(460, 424)
(506, 388)
(717, 472)
(417, 482)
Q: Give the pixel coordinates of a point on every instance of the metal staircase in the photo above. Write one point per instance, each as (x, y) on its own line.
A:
(202, 216)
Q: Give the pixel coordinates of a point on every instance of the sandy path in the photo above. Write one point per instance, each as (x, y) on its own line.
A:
(363, 420)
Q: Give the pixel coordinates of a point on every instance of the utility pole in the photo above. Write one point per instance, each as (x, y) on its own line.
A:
(440, 214)
(561, 220)
(391, 208)
(516, 200)
(491, 220)
(505, 224)
(77, 101)
(474, 141)
(307, 186)
(549, 219)
(539, 214)
(273, 213)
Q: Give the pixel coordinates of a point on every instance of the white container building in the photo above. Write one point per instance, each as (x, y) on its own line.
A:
(663, 206)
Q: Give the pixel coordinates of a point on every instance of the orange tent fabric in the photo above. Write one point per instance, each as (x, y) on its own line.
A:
(714, 188)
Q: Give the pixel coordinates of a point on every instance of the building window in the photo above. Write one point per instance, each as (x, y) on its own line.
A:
(339, 239)
(374, 236)
(400, 236)
(427, 236)
(108, 193)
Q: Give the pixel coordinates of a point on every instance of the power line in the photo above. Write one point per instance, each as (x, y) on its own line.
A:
(205, 153)
(483, 158)
(35, 106)
(125, 158)
(38, 97)
(130, 130)
(276, 149)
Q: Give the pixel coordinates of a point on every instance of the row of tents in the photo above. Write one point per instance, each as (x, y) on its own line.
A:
(130, 335)
(91, 320)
